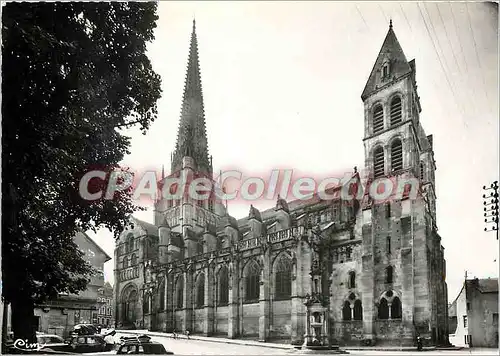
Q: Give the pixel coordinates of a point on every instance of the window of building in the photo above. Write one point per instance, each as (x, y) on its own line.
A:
(161, 295)
(389, 274)
(465, 321)
(352, 279)
(252, 282)
(283, 278)
(397, 155)
(130, 242)
(396, 112)
(125, 262)
(378, 119)
(388, 244)
(495, 318)
(383, 309)
(421, 170)
(378, 162)
(358, 310)
(346, 311)
(146, 304)
(396, 309)
(385, 71)
(468, 306)
(388, 210)
(133, 260)
(223, 286)
(200, 291)
(179, 292)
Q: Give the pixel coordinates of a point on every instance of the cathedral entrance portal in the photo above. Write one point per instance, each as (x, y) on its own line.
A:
(129, 305)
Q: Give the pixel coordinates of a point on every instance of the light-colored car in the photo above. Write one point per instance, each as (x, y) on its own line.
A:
(52, 342)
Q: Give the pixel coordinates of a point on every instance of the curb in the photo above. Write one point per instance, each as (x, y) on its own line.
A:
(208, 339)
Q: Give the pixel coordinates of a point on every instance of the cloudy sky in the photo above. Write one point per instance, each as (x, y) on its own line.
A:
(282, 84)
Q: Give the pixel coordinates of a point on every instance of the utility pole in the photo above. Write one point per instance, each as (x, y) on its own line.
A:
(491, 207)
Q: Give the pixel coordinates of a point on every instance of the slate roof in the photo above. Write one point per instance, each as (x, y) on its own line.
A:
(399, 66)
(484, 285)
(151, 229)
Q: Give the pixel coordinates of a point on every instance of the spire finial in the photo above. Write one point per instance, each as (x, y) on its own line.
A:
(390, 23)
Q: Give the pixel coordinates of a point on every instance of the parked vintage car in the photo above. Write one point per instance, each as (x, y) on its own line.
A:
(141, 345)
(87, 343)
(52, 342)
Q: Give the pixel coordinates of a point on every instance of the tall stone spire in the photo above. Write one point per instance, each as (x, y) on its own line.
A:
(191, 135)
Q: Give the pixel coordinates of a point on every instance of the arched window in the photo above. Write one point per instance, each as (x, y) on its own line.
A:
(161, 295)
(358, 310)
(389, 274)
(397, 155)
(125, 262)
(130, 242)
(179, 292)
(146, 303)
(352, 279)
(378, 162)
(223, 286)
(346, 311)
(200, 291)
(133, 260)
(388, 244)
(396, 309)
(422, 170)
(378, 119)
(252, 282)
(283, 278)
(383, 309)
(396, 112)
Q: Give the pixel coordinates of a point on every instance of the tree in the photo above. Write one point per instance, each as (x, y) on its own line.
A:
(73, 75)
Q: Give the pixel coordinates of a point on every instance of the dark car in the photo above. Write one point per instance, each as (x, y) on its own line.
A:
(141, 345)
(87, 343)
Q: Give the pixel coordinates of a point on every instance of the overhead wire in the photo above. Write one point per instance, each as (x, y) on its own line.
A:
(442, 65)
(477, 55)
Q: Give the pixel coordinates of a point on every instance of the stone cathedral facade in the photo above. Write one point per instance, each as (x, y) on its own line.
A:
(381, 267)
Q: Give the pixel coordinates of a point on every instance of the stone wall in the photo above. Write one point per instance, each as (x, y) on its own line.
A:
(281, 319)
(251, 314)
(221, 315)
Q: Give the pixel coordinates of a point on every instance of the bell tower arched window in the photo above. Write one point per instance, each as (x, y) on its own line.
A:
(383, 309)
(396, 111)
(352, 279)
(358, 310)
(346, 311)
(378, 119)
(421, 170)
(389, 274)
(397, 155)
(378, 162)
(396, 310)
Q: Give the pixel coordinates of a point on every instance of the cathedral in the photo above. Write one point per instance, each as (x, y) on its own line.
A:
(330, 271)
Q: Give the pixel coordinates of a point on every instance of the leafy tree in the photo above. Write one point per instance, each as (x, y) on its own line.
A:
(73, 75)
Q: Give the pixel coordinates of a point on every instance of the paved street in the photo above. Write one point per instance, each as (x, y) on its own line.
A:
(183, 346)
(197, 347)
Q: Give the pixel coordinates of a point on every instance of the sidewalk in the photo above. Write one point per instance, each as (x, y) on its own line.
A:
(210, 339)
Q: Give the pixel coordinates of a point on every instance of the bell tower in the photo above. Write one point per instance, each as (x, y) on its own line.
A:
(399, 229)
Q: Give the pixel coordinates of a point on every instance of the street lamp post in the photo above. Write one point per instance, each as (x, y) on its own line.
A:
(491, 207)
